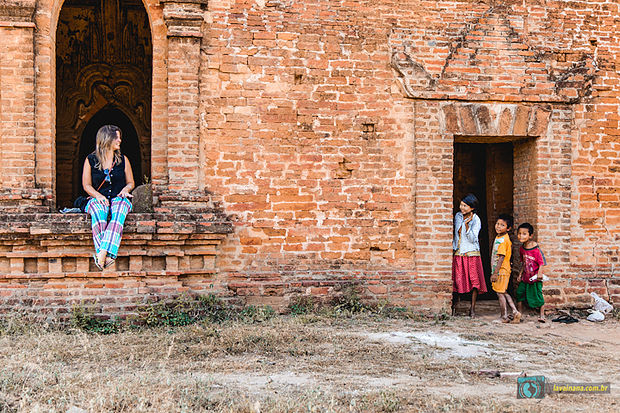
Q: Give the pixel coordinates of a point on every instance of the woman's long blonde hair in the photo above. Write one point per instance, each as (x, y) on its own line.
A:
(105, 136)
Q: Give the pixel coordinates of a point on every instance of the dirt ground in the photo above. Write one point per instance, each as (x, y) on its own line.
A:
(310, 363)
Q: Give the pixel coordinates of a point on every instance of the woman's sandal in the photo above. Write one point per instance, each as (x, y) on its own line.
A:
(109, 262)
(97, 262)
(541, 320)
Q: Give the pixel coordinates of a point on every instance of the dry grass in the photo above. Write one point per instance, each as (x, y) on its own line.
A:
(307, 363)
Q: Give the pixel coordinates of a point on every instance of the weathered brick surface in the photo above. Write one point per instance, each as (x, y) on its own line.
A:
(17, 102)
(325, 131)
(46, 260)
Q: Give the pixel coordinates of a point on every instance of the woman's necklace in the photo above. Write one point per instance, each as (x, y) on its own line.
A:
(106, 164)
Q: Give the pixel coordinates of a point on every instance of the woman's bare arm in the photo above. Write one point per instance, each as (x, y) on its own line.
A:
(130, 184)
(87, 183)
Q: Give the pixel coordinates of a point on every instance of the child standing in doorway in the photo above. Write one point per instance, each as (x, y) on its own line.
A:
(531, 277)
(500, 268)
(467, 272)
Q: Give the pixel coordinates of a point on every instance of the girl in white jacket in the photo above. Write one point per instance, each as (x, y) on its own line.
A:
(467, 272)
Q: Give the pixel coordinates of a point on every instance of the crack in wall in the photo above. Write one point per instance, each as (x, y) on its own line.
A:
(461, 38)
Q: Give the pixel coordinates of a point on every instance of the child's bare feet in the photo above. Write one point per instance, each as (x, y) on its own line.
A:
(472, 313)
(516, 318)
(505, 320)
(542, 320)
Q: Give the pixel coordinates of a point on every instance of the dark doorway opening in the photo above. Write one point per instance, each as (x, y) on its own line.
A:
(486, 170)
(130, 145)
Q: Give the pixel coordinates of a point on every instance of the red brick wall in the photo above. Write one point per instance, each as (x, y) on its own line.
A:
(325, 130)
(500, 175)
(282, 94)
(525, 178)
(17, 102)
(308, 144)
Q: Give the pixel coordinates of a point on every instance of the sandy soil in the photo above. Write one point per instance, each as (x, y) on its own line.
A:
(312, 363)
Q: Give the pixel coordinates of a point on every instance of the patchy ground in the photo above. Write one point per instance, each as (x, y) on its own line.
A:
(310, 363)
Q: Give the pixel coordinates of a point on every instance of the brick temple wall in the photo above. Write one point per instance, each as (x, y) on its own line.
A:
(324, 131)
(290, 100)
(310, 146)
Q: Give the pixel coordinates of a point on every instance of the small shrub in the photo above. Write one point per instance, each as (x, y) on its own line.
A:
(303, 304)
(85, 320)
(186, 310)
(390, 311)
(169, 314)
(214, 309)
(253, 314)
(442, 316)
(349, 303)
(181, 311)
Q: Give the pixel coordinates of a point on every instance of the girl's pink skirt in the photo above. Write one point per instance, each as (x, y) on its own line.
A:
(467, 274)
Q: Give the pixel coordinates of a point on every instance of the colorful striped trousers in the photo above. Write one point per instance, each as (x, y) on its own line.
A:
(107, 235)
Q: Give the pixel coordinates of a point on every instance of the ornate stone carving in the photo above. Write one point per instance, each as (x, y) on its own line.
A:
(118, 85)
(498, 122)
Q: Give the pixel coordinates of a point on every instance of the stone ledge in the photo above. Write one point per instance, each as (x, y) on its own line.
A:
(112, 274)
(50, 246)
(14, 226)
(17, 10)
(494, 121)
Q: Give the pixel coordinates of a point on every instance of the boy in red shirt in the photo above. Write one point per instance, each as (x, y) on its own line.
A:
(532, 260)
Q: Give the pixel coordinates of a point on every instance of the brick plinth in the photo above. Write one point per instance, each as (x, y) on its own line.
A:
(46, 260)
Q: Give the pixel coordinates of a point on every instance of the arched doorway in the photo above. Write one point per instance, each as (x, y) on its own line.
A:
(103, 76)
(129, 147)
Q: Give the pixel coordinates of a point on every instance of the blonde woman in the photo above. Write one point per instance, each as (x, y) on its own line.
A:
(108, 180)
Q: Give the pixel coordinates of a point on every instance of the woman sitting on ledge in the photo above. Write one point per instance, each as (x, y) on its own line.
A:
(110, 173)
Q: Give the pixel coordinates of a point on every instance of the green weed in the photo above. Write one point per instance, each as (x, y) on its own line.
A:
(84, 319)
(178, 312)
(253, 314)
(349, 303)
(181, 311)
(303, 304)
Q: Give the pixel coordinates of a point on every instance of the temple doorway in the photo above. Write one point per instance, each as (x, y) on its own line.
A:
(486, 170)
(103, 76)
